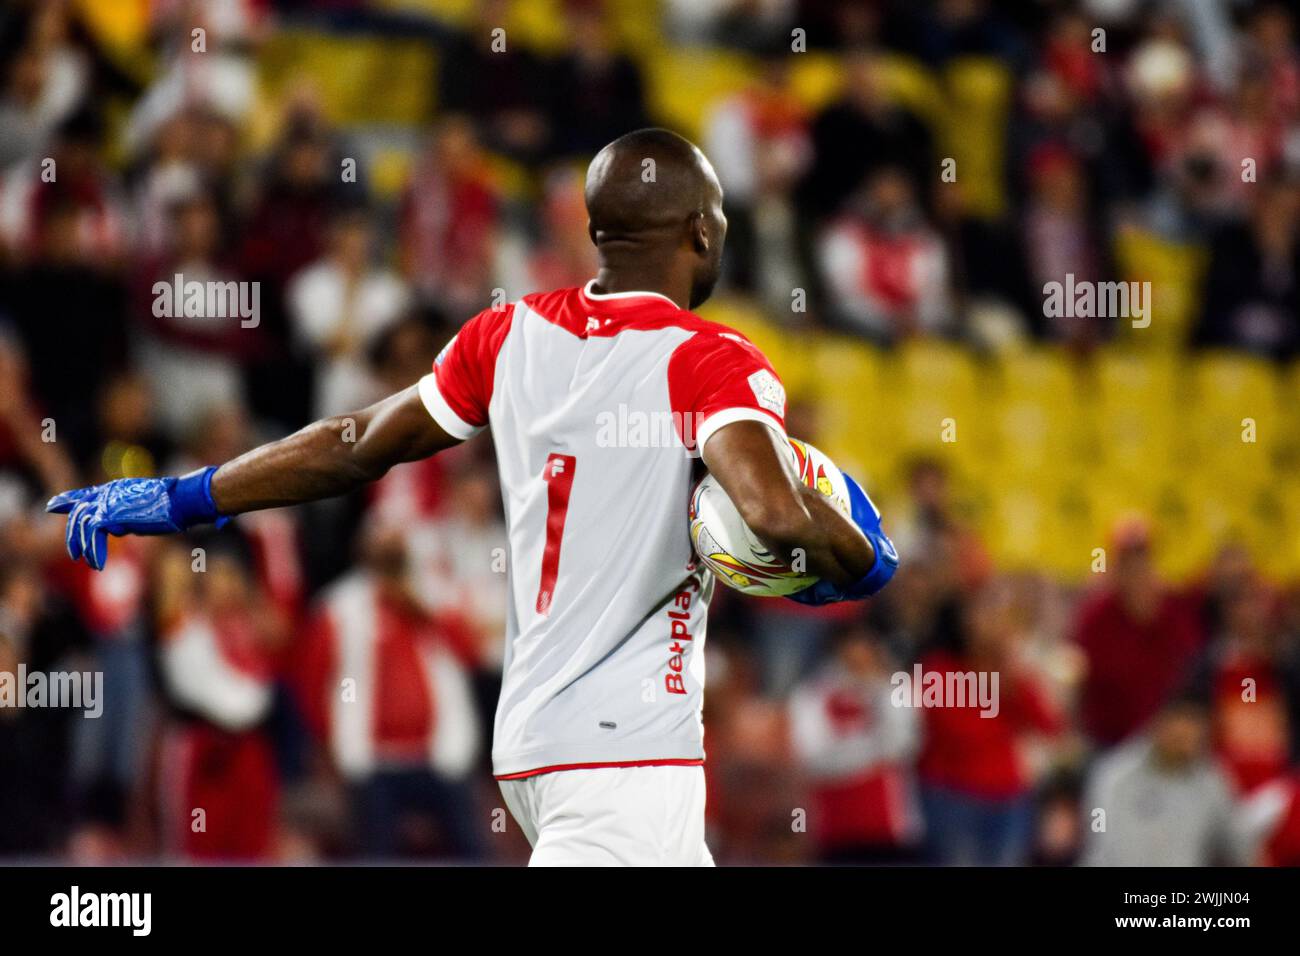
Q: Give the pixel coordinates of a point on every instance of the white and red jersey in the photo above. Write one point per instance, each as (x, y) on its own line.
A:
(216, 668)
(855, 748)
(410, 702)
(598, 405)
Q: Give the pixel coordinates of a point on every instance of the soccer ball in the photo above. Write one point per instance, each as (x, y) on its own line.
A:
(733, 553)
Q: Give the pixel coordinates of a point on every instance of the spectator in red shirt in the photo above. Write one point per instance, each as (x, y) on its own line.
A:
(195, 360)
(883, 264)
(565, 255)
(220, 649)
(856, 750)
(385, 686)
(1246, 677)
(976, 787)
(1138, 637)
(758, 141)
(449, 220)
(289, 222)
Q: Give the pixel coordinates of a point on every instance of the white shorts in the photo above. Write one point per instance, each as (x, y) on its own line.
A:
(612, 816)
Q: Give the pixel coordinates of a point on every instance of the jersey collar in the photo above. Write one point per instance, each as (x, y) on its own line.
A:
(618, 296)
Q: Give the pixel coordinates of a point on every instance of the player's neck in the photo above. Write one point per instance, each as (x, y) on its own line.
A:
(626, 279)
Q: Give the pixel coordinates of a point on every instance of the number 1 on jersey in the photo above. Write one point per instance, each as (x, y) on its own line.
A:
(558, 475)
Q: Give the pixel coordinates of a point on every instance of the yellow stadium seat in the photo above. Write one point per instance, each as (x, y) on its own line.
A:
(1075, 531)
(941, 404)
(943, 366)
(978, 97)
(912, 84)
(1018, 527)
(1287, 455)
(1174, 270)
(797, 370)
(1237, 375)
(1128, 375)
(509, 176)
(1139, 399)
(361, 79)
(747, 318)
(1270, 531)
(122, 27)
(856, 412)
(684, 84)
(816, 78)
(1236, 419)
(1191, 519)
(1039, 371)
(1284, 560)
(539, 24)
(845, 363)
(635, 30)
(1035, 421)
(389, 171)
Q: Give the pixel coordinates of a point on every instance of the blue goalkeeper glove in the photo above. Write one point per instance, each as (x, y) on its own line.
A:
(867, 518)
(133, 506)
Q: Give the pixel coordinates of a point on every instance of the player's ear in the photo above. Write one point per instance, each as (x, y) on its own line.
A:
(698, 228)
(591, 232)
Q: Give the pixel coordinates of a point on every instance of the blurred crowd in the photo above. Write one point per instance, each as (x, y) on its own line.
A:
(1137, 721)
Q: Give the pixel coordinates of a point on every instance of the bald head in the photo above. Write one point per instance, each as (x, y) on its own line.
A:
(653, 202)
(646, 180)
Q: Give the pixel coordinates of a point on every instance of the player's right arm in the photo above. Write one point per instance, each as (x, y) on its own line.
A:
(330, 457)
(327, 458)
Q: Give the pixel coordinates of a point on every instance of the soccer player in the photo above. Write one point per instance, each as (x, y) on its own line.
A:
(598, 741)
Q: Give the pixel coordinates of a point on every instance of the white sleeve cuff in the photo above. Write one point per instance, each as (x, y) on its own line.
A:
(442, 413)
(729, 415)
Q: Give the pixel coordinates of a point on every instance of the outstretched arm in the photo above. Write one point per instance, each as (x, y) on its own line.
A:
(330, 457)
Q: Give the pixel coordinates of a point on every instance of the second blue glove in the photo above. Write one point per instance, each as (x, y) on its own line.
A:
(867, 518)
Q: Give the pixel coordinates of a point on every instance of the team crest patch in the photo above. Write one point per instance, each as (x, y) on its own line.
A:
(769, 392)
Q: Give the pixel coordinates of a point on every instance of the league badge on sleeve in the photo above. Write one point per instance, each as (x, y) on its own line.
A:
(769, 391)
